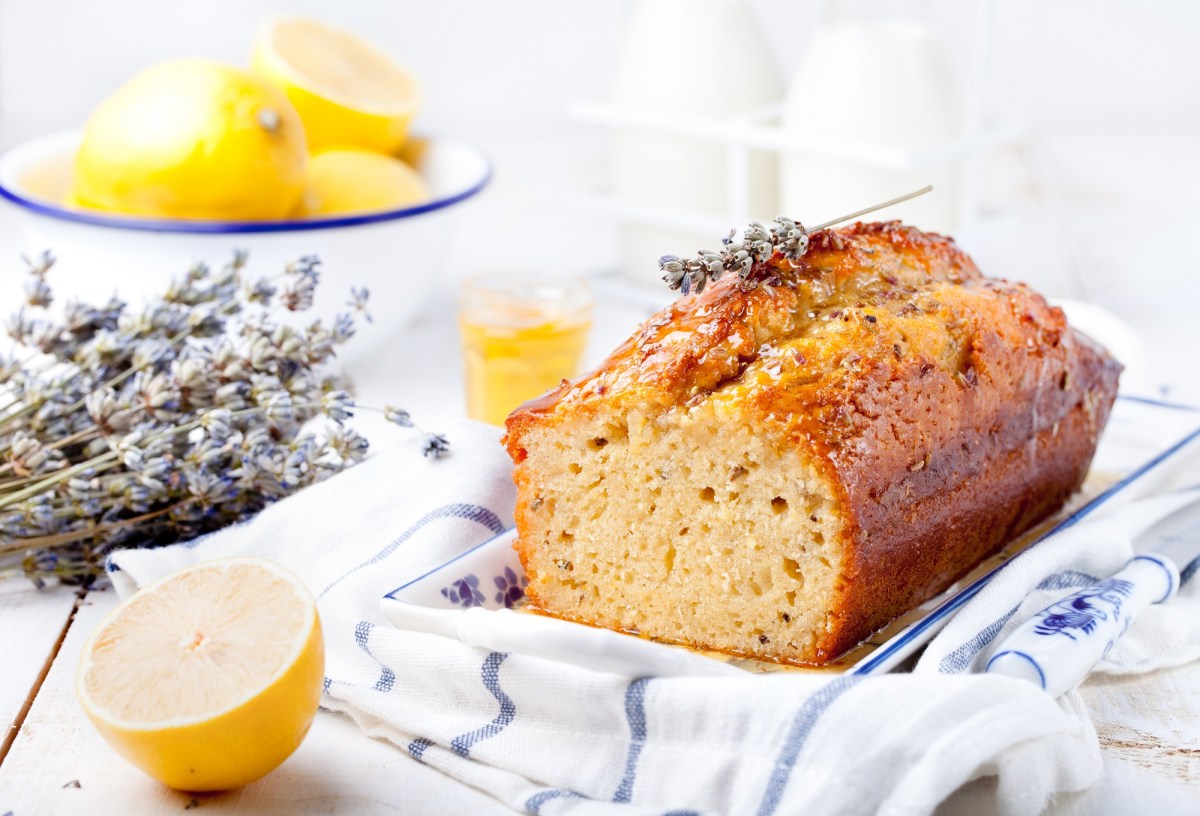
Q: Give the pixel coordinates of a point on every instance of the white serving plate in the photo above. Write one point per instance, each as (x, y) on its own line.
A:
(1138, 445)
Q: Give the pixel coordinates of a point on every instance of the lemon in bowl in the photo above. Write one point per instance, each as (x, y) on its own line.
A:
(348, 93)
(192, 139)
(351, 180)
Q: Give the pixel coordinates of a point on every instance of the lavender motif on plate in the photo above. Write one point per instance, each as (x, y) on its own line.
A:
(511, 586)
(1080, 613)
(464, 592)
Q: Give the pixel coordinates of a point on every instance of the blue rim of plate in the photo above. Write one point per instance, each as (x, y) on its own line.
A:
(244, 227)
(893, 648)
(444, 564)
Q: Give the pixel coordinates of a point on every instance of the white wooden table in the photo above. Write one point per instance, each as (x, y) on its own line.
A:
(52, 761)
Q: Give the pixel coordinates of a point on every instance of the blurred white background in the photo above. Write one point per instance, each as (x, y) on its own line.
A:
(1097, 201)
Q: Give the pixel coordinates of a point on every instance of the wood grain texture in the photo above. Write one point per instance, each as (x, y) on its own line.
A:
(31, 622)
(1149, 729)
(1151, 723)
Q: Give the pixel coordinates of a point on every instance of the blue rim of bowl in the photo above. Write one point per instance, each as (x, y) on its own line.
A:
(244, 227)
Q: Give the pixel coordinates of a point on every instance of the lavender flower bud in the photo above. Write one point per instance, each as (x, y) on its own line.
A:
(218, 424)
(260, 292)
(299, 464)
(191, 374)
(348, 444)
(358, 301)
(343, 328)
(37, 293)
(338, 406)
(205, 485)
(137, 497)
(156, 394)
(397, 416)
(278, 409)
(288, 341)
(41, 265)
(156, 469)
(208, 453)
(298, 296)
(262, 353)
(436, 445)
(232, 396)
(238, 261)
(754, 233)
(9, 366)
(305, 267)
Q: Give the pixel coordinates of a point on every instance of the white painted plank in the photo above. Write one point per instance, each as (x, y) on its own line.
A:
(337, 770)
(1149, 729)
(31, 621)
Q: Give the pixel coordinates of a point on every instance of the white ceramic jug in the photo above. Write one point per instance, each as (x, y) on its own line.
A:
(691, 58)
(874, 80)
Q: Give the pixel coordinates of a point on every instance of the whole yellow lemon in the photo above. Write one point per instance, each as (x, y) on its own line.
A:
(352, 181)
(193, 139)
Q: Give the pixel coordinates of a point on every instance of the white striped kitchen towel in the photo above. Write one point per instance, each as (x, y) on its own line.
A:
(550, 738)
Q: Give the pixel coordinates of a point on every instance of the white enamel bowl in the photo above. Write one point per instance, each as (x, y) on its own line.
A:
(398, 254)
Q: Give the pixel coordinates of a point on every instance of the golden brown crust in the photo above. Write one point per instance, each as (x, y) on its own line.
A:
(700, 342)
(950, 411)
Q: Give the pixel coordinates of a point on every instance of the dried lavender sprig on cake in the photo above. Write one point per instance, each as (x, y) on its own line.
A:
(123, 427)
(785, 237)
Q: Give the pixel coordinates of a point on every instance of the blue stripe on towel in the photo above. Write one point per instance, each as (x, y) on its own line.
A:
(470, 512)
(534, 803)
(635, 712)
(461, 745)
(960, 659)
(1187, 573)
(1067, 579)
(362, 636)
(416, 748)
(802, 725)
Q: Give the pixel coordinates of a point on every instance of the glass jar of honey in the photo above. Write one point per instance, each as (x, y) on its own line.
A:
(522, 334)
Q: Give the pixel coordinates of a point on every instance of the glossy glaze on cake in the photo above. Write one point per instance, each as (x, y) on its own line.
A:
(779, 470)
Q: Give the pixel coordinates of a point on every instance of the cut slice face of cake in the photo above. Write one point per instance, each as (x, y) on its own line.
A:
(777, 467)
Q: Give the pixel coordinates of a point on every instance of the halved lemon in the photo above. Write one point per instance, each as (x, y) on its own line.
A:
(209, 678)
(348, 93)
(346, 181)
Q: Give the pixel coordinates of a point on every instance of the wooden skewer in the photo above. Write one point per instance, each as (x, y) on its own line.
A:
(914, 194)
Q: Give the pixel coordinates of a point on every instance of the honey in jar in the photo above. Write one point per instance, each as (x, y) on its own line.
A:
(522, 334)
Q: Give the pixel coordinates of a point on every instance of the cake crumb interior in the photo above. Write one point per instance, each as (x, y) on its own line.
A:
(688, 522)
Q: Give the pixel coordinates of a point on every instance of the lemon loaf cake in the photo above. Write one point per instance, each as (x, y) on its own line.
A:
(777, 468)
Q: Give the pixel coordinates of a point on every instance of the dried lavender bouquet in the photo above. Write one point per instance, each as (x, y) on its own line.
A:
(125, 427)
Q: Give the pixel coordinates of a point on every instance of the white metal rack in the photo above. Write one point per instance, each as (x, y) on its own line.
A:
(760, 130)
